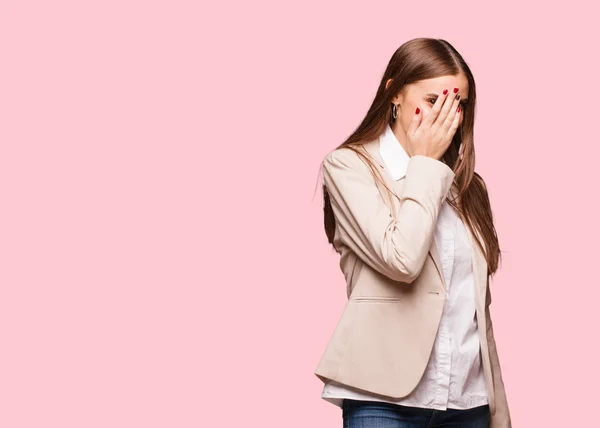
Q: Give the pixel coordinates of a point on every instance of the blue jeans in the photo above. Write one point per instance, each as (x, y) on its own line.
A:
(374, 414)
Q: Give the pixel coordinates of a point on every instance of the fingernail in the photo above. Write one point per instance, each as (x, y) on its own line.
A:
(458, 109)
(457, 96)
(417, 110)
(446, 91)
(455, 90)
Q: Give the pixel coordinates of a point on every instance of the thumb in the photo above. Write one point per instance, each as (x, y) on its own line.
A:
(415, 122)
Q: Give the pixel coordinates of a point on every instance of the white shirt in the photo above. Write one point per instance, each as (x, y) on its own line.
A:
(453, 377)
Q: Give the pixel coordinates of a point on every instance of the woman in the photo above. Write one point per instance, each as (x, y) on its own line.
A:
(413, 225)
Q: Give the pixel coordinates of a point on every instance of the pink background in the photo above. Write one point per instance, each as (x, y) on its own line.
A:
(162, 256)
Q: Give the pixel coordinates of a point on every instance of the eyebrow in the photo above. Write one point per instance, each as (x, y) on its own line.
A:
(432, 94)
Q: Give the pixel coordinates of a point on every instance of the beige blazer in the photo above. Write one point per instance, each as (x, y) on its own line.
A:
(395, 286)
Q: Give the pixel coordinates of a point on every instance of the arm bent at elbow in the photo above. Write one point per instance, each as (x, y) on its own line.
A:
(393, 243)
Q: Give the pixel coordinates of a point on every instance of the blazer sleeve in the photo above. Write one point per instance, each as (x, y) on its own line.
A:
(501, 419)
(395, 244)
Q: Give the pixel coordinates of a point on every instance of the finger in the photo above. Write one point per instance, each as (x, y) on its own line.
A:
(445, 109)
(435, 110)
(414, 123)
(454, 127)
(452, 113)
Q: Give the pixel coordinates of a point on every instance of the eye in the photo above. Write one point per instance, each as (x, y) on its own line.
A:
(463, 105)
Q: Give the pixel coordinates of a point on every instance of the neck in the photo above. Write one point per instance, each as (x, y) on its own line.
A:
(400, 134)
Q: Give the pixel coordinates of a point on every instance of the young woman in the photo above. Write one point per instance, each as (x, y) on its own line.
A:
(413, 225)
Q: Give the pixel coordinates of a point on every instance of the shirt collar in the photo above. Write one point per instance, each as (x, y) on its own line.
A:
(393, 154)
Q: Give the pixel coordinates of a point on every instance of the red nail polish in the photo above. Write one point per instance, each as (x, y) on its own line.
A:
(455, 90)
(458, 109)
(417, 110)
(445, 91)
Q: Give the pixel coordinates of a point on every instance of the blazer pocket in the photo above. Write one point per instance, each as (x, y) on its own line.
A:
(375, 299)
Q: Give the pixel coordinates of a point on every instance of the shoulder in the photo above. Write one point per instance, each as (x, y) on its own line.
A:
(346, 158)
(341, 155)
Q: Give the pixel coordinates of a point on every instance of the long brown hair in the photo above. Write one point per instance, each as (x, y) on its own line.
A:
(419, 59)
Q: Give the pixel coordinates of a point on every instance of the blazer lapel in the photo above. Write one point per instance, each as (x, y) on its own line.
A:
(372, 148)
